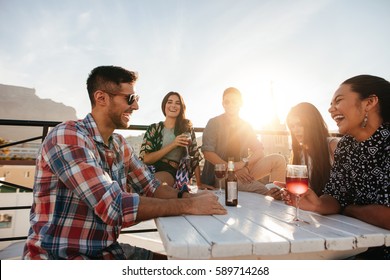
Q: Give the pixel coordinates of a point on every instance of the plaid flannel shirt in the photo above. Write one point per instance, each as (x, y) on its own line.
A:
(80, 202)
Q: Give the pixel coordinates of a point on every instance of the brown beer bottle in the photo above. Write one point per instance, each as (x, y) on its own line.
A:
(231, 188)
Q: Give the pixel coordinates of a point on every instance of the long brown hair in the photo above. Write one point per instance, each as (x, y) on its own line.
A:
(314, 141)
(182, 124)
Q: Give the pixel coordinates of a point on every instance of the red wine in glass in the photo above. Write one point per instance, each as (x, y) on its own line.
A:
(220, 174)
(189, 142)
(297, 185)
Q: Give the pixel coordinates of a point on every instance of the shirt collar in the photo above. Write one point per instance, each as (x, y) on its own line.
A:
(92, 128)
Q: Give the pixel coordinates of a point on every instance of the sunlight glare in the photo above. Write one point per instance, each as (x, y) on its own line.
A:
(263, 106)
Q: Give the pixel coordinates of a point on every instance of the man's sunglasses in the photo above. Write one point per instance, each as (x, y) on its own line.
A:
(132, 97)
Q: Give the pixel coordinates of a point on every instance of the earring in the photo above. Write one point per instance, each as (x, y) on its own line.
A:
(364, 122)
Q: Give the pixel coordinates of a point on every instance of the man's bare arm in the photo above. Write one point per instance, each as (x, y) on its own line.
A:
(205, 204)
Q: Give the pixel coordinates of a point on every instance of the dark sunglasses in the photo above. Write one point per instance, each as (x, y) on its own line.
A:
(132, 97)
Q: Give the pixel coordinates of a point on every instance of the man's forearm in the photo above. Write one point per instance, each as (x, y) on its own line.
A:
(150, 208)
(165, 191)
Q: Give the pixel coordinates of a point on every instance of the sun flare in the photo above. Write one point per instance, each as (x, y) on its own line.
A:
(264, 109)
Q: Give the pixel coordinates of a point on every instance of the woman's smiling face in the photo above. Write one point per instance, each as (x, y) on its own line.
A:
(347, 110)
(173, 106)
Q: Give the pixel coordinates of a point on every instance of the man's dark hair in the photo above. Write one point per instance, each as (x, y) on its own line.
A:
(108, 78)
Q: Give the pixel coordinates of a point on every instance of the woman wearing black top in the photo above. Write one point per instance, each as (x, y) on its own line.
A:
(359, 184)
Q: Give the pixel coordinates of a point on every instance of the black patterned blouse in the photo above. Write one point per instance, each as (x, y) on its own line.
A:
(361, 176)
(361, 171)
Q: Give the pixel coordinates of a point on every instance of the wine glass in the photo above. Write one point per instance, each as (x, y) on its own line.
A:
(297, 183)
(220, 173)
(189, 142)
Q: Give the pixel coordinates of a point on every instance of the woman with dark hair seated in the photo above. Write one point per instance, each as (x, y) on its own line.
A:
(173, 155)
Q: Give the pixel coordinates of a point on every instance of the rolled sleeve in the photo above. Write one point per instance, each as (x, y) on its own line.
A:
(140, 178)
(210, 137)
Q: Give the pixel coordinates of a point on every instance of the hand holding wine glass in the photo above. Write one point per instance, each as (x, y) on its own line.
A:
(297, 183)
(189, 142)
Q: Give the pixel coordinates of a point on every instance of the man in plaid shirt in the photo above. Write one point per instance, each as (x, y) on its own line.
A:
(89, 184)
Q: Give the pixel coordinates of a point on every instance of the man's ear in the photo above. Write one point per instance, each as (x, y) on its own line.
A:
(100, 98)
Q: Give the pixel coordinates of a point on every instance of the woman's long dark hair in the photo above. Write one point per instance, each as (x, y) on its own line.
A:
(315, 142)
(366, 85)
(182, 124)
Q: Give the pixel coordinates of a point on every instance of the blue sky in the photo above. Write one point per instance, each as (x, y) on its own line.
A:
(299, 50)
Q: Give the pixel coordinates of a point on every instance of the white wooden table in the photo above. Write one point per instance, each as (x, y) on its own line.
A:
(259, 228)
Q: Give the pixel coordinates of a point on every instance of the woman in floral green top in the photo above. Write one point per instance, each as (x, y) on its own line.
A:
(164, 145)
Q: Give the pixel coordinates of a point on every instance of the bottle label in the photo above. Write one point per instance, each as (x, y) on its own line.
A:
(232, 189)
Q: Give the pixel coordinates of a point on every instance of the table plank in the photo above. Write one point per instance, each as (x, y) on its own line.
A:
(223, 239)
(181, 239)
(361, 224)
(264, 241)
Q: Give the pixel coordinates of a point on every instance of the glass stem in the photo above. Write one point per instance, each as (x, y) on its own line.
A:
(298, 197)
(219, 185)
